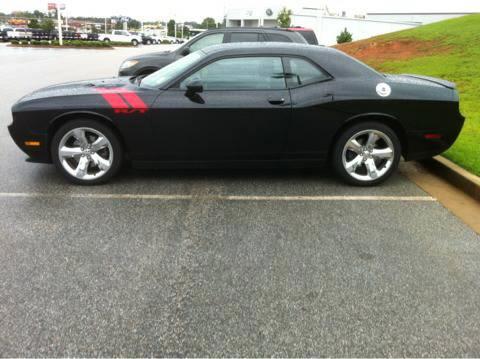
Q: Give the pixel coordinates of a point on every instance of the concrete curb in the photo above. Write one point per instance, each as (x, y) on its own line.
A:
(456, 175)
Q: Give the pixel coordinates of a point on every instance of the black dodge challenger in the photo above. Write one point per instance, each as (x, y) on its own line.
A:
(251, 104)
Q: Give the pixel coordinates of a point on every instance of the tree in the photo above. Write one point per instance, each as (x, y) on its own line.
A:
(48, 25)
(284, 17)
(344, 36)
(38, 14)
(208, 23)
(186, 32)
(171, 28)
(134, 24)
(33, 24)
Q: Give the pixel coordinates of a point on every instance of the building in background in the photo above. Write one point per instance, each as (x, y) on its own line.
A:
(328, 25)
(252, 17)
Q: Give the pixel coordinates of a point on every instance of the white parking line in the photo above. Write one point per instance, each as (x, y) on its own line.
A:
(188, 197)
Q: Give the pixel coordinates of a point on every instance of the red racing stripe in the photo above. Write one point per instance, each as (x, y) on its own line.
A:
(132, 98)
(113, 99)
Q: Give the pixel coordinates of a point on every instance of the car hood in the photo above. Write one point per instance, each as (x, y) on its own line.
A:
(159, 54)
(87, 87)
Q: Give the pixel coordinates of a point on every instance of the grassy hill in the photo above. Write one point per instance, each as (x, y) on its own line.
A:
(448, 49)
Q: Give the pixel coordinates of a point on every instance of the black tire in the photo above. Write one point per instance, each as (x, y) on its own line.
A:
(106, 40)
(106, 131)
(337, 155)
(134, 42)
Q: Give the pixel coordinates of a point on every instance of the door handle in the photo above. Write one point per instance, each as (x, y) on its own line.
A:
(276, 101)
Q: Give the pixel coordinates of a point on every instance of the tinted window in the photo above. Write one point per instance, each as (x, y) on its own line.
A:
(241, 73)
(303, 72)
(245, 37)
(205, 41)
(309, 36)
(166, 74)
(279, 38)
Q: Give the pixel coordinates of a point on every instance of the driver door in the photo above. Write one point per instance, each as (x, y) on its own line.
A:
(241, 113)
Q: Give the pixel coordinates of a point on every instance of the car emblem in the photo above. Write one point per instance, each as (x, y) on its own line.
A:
(384, 90)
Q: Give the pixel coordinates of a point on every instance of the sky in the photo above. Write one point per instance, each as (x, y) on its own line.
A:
(196, 10)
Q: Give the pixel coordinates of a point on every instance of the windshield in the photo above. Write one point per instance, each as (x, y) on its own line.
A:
(163, 76)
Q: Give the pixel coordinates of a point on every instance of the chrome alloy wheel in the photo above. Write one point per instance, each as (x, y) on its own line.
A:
(85, 153)
(368, 155)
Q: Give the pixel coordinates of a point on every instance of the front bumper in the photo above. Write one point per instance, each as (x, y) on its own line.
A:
(20, 136)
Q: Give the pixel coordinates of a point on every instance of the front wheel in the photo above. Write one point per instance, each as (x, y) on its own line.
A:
(366, 154)
(134, 42)
(86, 152)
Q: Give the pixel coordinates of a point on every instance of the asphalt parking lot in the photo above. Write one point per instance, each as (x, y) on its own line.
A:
(212, 263)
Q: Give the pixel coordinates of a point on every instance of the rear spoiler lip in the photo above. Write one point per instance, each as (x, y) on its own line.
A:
(435, 80)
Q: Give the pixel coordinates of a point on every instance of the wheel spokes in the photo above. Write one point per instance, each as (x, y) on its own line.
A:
(352, 165)
(100, 143)
(371, 168)
(81, 137)
(70, 151)
(354, 146)
(82, 167)
(100, 162)
(372, 139)
(384, 153)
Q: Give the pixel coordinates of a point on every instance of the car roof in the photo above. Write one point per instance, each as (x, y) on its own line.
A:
(265, 47)
(332, 60)
(251, 28)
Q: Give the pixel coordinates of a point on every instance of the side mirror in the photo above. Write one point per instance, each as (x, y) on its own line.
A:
(185, 51)
(194, 87)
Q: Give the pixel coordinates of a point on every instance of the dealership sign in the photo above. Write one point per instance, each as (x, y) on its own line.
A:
(55, 6)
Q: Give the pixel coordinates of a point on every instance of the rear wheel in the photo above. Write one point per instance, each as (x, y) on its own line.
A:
(106, 40)
(86, 152)
(366, 154)
(134, 42)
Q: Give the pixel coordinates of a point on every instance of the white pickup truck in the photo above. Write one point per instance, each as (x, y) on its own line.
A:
(19, 34)
(121, 36)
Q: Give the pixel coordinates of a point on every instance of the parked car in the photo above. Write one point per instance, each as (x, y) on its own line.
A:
(148, 40)
(92, 37)
(244, 104)
(121, 36)
(148, 63)
(4, 33)
(19, 34)
(39, 34)
(308, 34)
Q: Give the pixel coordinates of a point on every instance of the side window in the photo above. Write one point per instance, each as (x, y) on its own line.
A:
(117, 32)
(279, 38)
(245, 37)
(208, 40)
(240, 73)
(303, 72)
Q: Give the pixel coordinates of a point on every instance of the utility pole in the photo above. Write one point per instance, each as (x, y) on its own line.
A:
(59, 20)
(105, 26)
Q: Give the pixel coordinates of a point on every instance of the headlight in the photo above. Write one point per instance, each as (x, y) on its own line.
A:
(129, 63)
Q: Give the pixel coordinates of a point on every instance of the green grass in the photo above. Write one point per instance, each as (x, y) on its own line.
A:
(459, 62)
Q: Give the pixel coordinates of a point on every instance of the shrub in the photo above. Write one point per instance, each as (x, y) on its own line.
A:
(344, 37)
(14, 42)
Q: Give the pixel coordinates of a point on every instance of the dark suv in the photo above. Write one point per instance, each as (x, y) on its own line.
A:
(148, 63)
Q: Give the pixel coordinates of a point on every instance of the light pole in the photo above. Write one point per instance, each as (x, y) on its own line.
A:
(59, 20)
